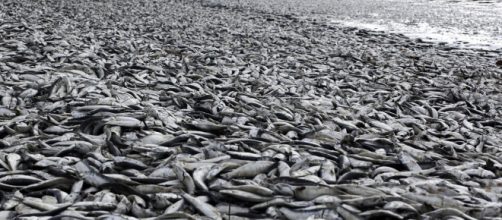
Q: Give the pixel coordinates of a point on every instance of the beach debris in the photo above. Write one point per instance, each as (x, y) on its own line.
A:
(169, 110)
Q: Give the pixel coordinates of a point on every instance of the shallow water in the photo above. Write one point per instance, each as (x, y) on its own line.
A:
(463, 23)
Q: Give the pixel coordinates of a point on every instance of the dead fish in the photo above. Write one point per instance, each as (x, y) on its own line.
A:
(40, 205)
(250, 169)
(175, 207)
(244, 155)
(202, 207)
(129, 163)
(256, 189)
(13, 201)
(4, 112)
(58, 181)
(320, 213)
(359, 190)
(124, 121)
(441, 213)
(89, 175)
(308, 193)
(139, 208)
(185, 178)
(434, 201)
(351, 175)
(283, 202)
(175, 215)
(383, 169)
(93, 205)
(199, 176)
(231, 209)
(7, 214)
(345, 124)
(399, 206)
(283, 168)
(328, 172)
(10, 161)
(168, 123)
(123, 205)
(152, 189)
(246, 196)
(386, 214)
(371, 201)
(156, 138)
(19, 179)
(163, 172)
(207, 126)
(56, 130)
(409, 162)
(480, 172)
(28, 93)
(74, 194)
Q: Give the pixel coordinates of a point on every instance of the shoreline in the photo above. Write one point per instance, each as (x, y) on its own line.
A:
(469, 41)
(143, 109)
(362, 15)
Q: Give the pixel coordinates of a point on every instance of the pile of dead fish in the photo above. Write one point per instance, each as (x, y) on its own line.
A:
(163, 110)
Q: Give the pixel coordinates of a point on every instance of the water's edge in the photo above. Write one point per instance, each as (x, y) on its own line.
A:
(463, 24)
(430, 34)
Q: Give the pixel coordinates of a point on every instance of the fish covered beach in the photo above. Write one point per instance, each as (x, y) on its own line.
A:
(161, 109)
